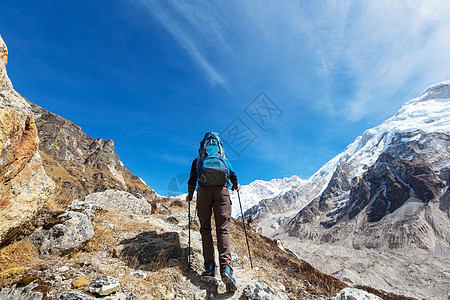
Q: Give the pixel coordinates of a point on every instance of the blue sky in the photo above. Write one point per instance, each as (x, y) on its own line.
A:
(156, 75)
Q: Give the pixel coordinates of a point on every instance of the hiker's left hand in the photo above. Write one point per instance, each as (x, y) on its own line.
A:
(187, 198)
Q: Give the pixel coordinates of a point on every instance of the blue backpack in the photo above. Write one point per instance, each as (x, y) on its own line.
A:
(213, 168)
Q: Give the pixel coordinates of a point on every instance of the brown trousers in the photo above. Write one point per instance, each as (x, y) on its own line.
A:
(217, 198)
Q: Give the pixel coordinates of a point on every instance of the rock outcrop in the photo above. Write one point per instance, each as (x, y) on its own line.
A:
(24, 185)
(259, 290)
(120, 201)
(104, 285)
(148, 247)
(354, 294)
(44, 155)
(17, 292)
(73, 231)
(79, 164)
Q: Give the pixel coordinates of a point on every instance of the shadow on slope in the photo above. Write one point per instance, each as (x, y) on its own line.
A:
(151, 251)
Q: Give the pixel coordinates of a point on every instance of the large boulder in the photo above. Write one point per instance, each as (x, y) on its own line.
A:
(24, 185)
(72, 233)
(17, 292)
(354, 294)
(259, 290)
(119, 201)
(104, 285)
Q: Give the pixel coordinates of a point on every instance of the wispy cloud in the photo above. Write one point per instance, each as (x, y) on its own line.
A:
(176, 159)
(363, 58)
(387, 47)
(179, 25)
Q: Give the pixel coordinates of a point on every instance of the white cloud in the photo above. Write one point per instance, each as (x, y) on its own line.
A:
(389, 46)
(196, 19)
(363, 58)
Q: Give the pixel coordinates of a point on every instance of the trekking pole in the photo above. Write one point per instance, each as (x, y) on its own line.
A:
(189, 226)
(245, 231)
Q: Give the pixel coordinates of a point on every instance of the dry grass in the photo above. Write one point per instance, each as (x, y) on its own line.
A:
(176, 203)
(106, 238)
(158, 284)
(283, 266)
(15, 259)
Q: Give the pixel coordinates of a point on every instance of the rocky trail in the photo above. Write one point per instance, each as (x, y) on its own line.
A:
(142, 247)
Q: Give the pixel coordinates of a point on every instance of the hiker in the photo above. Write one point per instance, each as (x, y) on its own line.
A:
(213, 172)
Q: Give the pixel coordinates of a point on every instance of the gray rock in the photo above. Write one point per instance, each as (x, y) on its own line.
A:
(22, 293)
(280, 244)
(104, 285)
(139, 274)
(172, 219)
(87, 208)
(75, 296)
(236, 262)
(74, 231)
(212, 283)
(148, 247)
(119, 296)
(200, 295)
(259, 290)
(160, 207)
(354, 294)
(82, 296)
(118, 200)
(64, 269)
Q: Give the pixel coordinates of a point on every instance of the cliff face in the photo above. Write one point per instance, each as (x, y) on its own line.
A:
(24, 185)
(44, 155)
(80, 164)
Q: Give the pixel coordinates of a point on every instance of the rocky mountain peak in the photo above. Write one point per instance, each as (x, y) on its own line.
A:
(5, 83)
(3, 52)
(24, 185)
(365, 190)
(404, 160)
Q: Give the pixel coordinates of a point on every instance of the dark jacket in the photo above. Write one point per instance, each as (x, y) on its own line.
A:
(192, 183)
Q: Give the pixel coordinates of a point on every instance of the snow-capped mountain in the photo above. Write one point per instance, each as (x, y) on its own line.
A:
(393, 169)
(258, 190)
(252, 193)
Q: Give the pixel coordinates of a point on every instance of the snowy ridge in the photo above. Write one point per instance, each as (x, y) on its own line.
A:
(258, 190)
(428, 113)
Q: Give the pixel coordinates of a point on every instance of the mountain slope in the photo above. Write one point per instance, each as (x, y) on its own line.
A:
(379, 179)
(258, 190)
(80, 164)
(390, 188)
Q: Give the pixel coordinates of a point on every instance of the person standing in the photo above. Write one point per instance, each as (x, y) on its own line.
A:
(213, 172)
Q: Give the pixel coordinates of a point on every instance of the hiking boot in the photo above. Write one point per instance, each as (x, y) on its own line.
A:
(210, 271)
(227, 278)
